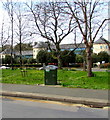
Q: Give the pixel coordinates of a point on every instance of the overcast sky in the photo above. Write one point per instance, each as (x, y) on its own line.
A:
(68, 39)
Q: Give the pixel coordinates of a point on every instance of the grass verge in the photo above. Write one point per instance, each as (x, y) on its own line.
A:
(73, 79)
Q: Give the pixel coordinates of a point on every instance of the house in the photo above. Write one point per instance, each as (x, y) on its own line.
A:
(77, 47)
(25, 54)
(6, 52)
(100, 45)
(44, 46)
(39, 46)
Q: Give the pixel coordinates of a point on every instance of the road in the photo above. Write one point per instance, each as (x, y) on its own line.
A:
(28, 108)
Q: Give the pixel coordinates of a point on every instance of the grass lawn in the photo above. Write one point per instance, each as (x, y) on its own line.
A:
(73, 79)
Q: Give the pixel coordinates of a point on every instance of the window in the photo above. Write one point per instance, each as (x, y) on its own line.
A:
(100, 47)
(106, 47)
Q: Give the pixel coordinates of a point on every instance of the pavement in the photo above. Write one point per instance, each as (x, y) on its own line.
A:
(90, 97)
(95, 69)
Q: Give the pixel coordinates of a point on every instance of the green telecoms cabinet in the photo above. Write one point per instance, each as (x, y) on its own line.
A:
(50, 75)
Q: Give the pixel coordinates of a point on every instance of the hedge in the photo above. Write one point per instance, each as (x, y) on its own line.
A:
(26, 65)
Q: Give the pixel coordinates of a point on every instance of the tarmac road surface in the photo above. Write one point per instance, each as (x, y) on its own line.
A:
(28, 108)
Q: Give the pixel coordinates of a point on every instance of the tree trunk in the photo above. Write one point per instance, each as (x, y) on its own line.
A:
(20, 54)
(84, 65)
(58, 55)
(89, 63)
(12, 28)
(59, 62)
(12, 49)
(20, 61)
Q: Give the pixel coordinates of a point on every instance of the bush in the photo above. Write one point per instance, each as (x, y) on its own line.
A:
(67, 57)
(26, 65)
(94, 58)
(31, 61)
(103, 56)
(7, 59)
(51, 57)
(79, 59)
(42, 56)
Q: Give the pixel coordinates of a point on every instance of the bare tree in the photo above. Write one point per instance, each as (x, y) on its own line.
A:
(9, 7)
(53, 23)
(86, 14)
(21, 25)
(4, 35)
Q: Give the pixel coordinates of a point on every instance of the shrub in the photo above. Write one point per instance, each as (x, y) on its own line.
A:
(79, 59)
(103, 56)
(25, 65)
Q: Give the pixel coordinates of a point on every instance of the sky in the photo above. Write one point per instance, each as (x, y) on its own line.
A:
(68, 40)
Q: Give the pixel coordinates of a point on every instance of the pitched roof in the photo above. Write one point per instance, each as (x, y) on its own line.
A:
(27, 52)
(41, 45)
(7, 51)
(62, 46)
(72, 46)
(101, 41)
